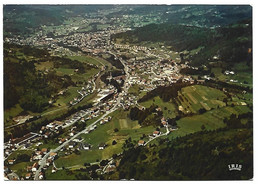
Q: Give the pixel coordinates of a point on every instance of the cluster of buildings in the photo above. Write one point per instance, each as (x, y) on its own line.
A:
(88, 89)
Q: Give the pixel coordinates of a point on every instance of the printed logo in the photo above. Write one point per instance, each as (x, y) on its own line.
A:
(236, 167)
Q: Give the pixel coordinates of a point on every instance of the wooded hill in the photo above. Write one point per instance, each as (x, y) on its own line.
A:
(203, 155)
(29, 87)
(229, 43)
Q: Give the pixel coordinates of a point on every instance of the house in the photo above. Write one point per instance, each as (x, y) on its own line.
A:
(62, 140)
(11, 162)
(29, 168)
(35, 167)
(77, 139)
(53, 170)
(86, 146)
(156, 133)
(72, 144)
(110, 168)
(101, 146)
(72, 134)
(41, 176)
(44, 150)
(28, 176)
(46, 135)
(141, 143)
(164, 123)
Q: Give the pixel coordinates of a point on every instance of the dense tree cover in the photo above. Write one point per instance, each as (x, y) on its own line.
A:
(203, 155)
(115, 62)
(165, 93)
(191, 71)
(25, 85)
(22, 158)
(229, 43)
(180, 37)
(61, 62)
(30, 88)
(142, 116)
(113, 82)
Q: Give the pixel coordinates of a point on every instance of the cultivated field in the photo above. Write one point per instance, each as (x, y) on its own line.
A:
(193, 98)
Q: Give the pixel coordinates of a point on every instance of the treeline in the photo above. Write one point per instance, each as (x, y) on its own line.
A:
(229, 87)
(191, 71)
(204, 155)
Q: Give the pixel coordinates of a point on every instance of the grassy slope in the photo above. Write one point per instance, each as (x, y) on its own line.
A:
(105, 134)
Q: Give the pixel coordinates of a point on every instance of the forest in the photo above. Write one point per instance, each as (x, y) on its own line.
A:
(204, 155)
(231, 43)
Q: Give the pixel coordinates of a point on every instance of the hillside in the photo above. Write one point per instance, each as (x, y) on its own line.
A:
(204, 155)
(229, 43)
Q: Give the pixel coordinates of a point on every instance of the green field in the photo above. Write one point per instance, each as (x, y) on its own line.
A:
(44, 65)
(59, 175)
(168, 108)
(10, 113)
(68, 96)
(65, 71)
(91, 60)
(211, 120)
(105, 134)
(243, 74)
(134, 89)
(21, 168)
(19, 152)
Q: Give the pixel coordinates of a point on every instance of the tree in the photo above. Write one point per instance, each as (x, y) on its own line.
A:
(103, 162)
(114, 142)
(202, 110)
(114, 156)
(212, 75)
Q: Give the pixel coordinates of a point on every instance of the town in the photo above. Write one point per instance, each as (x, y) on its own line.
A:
(98, 121)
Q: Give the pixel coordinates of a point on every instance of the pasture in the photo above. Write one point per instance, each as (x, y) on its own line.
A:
(106, 134)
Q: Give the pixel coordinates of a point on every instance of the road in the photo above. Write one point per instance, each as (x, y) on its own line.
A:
(164, 134)
(43, 161)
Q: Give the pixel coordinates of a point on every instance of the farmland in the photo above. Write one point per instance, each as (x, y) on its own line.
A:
(106, 134)
(193, 98)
